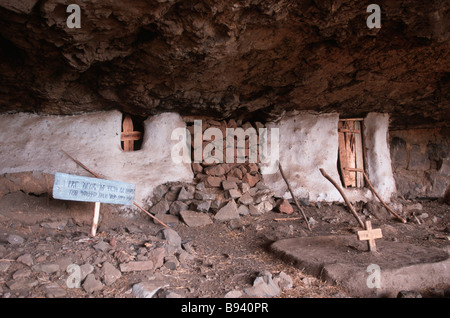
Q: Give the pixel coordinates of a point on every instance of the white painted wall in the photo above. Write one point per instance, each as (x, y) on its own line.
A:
(379, 168)
(310, 141)
(307, 142)
(29, 142)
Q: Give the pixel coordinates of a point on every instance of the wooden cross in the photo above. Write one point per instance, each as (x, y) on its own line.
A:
(128, 136)
(370, 235)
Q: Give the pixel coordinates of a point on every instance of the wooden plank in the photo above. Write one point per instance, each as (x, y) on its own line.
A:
(351, 119)
(347, 150)
(359, 156)
(133, 135)
(350, 148)
(128, 145)
(355, 131)
(354, 169)
(343, 157)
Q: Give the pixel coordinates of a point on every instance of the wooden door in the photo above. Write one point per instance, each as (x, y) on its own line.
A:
(351, 154)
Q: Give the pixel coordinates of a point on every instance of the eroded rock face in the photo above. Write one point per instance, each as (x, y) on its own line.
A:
(250, 59)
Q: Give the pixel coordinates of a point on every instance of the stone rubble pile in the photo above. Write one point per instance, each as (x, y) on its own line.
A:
(228, 199)
(222, 191)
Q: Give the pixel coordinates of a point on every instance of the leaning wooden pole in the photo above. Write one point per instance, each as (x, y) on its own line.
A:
(293, 197)
(344, 196)
(379, 198)
(100, 177)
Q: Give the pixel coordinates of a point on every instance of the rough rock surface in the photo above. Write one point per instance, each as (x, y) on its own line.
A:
(252, 59)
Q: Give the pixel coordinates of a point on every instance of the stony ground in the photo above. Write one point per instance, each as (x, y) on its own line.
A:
(46, 249)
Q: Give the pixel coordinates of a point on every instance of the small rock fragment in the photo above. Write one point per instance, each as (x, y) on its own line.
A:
(228, 212)
(15, 239)
(195, 219)
(147, 289)
(26, 259)
(111, 274)
(91, 284)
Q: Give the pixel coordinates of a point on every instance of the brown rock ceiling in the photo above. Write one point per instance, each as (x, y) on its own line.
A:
(249, 59)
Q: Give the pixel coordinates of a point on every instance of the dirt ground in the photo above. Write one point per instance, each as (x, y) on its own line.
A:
(222, 256)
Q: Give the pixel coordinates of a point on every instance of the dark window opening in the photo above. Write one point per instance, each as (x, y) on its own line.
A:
(351, 160)
(132, 132)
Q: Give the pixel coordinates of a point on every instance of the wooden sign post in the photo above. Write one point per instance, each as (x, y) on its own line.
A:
(78, 188)
(370, 235)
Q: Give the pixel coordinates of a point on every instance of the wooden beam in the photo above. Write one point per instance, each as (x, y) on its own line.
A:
(132, 135)
(349, 130)
(351, 119)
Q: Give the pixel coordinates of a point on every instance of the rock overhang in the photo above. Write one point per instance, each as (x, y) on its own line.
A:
(254, 60)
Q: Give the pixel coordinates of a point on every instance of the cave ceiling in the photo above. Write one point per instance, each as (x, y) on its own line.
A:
(244, 59)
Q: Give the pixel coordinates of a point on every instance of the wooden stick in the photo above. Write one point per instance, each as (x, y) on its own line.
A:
(293, 197)
(344, 196)
(100, 177)
(95, 219)
(287, 219)
(379, 198)
(83, 166)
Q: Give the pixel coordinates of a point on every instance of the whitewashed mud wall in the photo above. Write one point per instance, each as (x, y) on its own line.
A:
(379, 166)
(309, 142)
(29, 142)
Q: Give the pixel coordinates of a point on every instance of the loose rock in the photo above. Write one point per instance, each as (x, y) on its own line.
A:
(53, 290)
(111, 274)
(263, 286)
(15, 239)
(58, 225)
(147, 289)
(228, 212)
(136, 266)
(26, 259)
(102, 246)
(171, 236)
(195, 219)
(47, 268)
(233, 294)
(91, 284)
(283, 206)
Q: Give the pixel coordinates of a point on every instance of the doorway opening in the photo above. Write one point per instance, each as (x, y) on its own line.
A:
(351, 156)
(132, 133)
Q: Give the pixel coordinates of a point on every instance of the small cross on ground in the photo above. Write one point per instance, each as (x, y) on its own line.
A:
(370, 235)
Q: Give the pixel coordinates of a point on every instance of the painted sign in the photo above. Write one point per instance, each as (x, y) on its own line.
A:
(78, 188)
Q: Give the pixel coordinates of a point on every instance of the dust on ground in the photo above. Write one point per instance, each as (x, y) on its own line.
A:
(222, 256)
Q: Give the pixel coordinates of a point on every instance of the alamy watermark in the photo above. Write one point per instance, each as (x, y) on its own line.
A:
(74, 279)
(74, 19)
(374, 278)
(236, 150)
